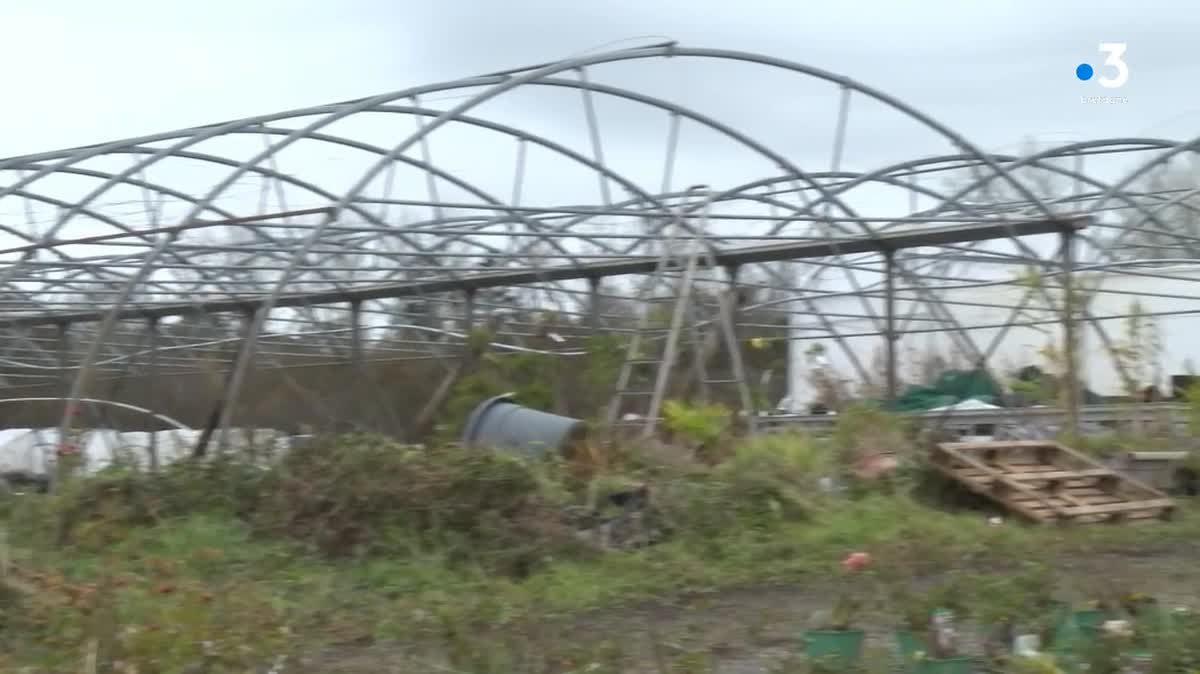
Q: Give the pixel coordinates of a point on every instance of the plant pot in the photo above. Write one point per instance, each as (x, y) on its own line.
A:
(1027, 645)
(960, 665)
(1181, 620)
(1093, 634)
(1089, 617)
(1059, 610)
(1155, 617)
(1059, 613)
(1090, 634)
(1077, 627)
(835, 647)
(908, 644)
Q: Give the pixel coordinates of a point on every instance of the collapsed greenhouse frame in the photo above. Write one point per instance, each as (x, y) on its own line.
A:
(295, 263)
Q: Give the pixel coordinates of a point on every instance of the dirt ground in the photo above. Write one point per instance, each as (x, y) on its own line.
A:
(755, 630)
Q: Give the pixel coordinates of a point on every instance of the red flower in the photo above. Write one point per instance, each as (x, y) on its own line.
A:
(856, 561)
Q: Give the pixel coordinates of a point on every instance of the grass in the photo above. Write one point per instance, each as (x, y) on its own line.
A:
(160, 576)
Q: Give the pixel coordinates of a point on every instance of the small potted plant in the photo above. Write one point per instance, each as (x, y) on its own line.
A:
(1093, 613)
(914, 610)
(1142, 621)
(1102, 605)
(1144, 610)
(998, 610)
(1130, 616)
(834, 640)
(1018, 609)
(942, 655)
(926, 636)
(1119, 646)
(1039, 612)
(1045, 614)
(1183, 618)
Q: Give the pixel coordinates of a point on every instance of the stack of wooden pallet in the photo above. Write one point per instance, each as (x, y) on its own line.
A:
(1048, 482)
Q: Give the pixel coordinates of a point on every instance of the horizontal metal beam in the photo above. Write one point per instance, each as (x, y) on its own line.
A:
(879, 243)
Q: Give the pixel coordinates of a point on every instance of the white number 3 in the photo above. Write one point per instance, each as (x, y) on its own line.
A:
(1115, 51)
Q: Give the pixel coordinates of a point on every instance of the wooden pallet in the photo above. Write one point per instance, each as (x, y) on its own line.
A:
(1049, 482)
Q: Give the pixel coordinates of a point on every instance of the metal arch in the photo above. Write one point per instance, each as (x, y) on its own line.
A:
(881, 175)
(967, 342)
(540, 73)
(672, 108)
(198, 134)
(1066, 150)
(955, 200)
(741, 192)
(63, 282)
(371, 173)
(1035, 161)
(882, 98)
(1174, 201)
(95, 215)
(161, 246)
(122, 179)
(264, 172)
(546, 230)
(1130, 178)
(674, 50)
(536, 77)
(811, 209)
(484, 196)
(1177, 200)
(209, 130)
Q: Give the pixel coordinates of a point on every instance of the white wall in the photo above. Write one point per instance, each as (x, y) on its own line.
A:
(1179, 334)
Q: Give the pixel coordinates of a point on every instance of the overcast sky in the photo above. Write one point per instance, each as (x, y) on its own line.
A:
(79, 71)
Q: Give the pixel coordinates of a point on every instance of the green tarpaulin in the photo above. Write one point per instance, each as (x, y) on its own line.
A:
(953, 386)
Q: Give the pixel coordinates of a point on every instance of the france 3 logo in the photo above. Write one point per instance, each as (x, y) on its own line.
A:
(1118, 75)
(1114, 58)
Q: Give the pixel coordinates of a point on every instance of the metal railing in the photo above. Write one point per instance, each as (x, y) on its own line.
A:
(1107, 415)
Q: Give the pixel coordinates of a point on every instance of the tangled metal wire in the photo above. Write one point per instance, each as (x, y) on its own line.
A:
(366, 221)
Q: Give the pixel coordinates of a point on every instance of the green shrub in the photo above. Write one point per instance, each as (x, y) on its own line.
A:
(866, 428)
(347, 496)
(768, 479)
(1192, 397)
(149, 624)
(775, 476)
(99, 510)
(697, 425)
(343, 496)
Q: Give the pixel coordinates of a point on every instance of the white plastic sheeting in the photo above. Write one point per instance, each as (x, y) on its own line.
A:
(971, 405)
(33, 450)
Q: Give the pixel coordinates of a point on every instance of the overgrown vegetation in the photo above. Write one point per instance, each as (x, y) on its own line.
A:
(464, 553)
